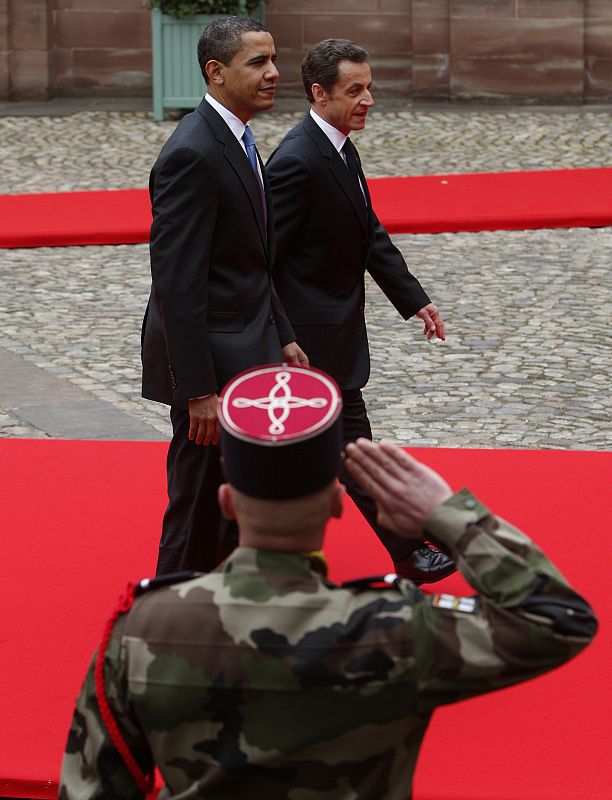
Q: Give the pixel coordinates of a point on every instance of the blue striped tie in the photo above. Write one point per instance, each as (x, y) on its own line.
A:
(251, 151)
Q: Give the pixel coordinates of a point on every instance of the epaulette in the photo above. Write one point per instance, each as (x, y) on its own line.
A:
(149, 584)
(378, 582)
(144, 780)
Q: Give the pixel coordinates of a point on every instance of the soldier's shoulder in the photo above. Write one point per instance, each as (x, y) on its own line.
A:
(137, 597)
(440, 600)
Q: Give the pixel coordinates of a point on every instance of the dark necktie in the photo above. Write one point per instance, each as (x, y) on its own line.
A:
(350, 154)
(251, 151)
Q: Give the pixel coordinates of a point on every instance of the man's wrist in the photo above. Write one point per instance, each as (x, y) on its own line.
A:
(447, 523)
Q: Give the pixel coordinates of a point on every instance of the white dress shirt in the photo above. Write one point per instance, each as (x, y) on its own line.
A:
(336, 137)
(235, 125)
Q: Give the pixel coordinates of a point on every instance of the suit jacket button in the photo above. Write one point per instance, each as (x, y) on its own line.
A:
(271, 319)
(361, 309)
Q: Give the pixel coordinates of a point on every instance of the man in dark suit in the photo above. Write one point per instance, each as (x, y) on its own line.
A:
(213, 311)
(327, 235)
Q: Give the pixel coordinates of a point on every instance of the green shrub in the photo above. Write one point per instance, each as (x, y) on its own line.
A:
(187, 8)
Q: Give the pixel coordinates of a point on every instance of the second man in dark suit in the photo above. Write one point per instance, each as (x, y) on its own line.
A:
(327, 236)
(213, 311)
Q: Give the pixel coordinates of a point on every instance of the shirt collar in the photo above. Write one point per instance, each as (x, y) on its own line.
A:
(336, 137)
(235, 125)
(250, 559)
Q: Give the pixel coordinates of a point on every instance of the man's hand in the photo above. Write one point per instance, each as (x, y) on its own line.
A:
(294, 355)
(203, 423)
(434, 325)
(405, 490)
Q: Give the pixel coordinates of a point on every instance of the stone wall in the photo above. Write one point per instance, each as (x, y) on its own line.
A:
(381, 26)
(4, 50)
(25, 39)
(101, 47)
(517, 50)
(464, 50)
(74, 47)
(598, 49)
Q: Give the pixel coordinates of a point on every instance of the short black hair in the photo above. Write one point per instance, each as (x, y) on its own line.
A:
(221, 39)
(321, 63)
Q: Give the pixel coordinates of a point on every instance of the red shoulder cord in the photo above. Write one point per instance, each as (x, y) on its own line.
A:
(144, 781)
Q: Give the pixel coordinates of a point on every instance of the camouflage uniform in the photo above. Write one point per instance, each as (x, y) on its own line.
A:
(264, 680)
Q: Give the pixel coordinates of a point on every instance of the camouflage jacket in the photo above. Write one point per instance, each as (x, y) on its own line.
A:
(265, 680)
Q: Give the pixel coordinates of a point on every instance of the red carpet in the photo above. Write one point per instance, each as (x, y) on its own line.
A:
(425, 204)
(495, 201)
(81, 518)
(121, 216)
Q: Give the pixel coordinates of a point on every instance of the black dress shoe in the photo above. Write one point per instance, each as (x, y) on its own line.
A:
(425, 565)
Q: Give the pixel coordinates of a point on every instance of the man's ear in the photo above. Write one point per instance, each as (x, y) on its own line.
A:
(214, 71)
(337, 504)
(319, 93)
(225, 501)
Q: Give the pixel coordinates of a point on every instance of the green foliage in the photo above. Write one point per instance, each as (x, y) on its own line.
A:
(183, 9)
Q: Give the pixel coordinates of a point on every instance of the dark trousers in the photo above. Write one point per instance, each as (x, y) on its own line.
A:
(355, 424)
(195, 535)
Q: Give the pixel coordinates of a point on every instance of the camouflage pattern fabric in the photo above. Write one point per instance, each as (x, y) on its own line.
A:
(265, 680)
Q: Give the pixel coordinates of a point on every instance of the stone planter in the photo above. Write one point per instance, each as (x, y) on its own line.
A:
(177, 79)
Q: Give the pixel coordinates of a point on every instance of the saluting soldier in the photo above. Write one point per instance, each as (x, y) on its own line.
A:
(263, 678)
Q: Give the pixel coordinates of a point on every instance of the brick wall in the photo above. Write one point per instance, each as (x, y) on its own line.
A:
(487, 50)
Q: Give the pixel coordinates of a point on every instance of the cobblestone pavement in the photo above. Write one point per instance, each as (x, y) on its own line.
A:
(113, 150)
(527, 360)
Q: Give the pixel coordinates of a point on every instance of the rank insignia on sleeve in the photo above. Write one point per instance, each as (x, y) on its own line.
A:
(466, 604)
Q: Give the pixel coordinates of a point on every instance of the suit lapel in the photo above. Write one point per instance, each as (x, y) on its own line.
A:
(269, 212)
(339, 170)
(239, 162)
